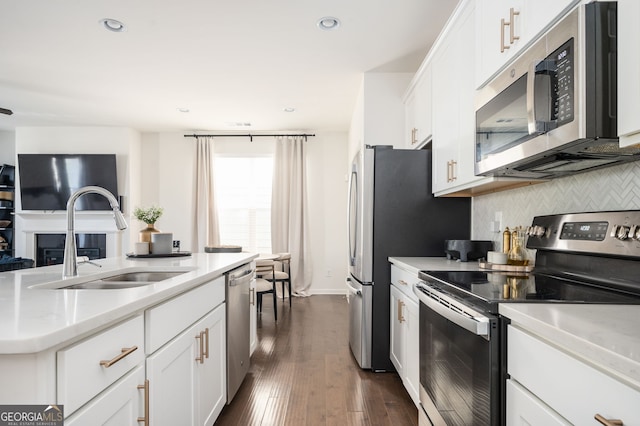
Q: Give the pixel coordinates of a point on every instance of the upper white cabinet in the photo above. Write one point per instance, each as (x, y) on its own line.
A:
(504, 28)
(628, 72)
(418, 109)
(454, 111)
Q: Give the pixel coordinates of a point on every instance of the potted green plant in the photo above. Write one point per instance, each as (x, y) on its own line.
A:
(149, 216)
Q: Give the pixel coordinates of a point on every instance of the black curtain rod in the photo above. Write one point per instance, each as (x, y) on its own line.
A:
(248, 135)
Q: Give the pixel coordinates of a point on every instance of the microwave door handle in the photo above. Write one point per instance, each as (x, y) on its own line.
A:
(531, 102)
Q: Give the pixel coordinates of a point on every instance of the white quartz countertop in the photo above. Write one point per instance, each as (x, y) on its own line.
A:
(33, 318)
(605, 336)
(417, 264)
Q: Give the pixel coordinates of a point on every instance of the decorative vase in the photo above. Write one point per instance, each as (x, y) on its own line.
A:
(145, 234)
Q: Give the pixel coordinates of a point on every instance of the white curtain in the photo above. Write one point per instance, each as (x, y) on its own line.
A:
(289, 221)
(206, 231)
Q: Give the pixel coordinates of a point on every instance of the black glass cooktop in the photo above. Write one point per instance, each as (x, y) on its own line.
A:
(487, 289)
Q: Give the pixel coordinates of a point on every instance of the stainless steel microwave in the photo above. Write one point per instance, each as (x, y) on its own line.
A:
(552, 112)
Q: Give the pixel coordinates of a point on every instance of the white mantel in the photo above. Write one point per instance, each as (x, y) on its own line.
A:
(32, 223)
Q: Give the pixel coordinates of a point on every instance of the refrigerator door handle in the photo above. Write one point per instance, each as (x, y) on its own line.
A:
(352, 289)
(353, 227)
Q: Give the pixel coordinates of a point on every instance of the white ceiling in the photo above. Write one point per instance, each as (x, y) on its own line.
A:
(233, 61)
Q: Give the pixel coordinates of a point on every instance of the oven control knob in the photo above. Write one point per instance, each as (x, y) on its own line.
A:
(622, 233)
(537, 231)
(634, 232)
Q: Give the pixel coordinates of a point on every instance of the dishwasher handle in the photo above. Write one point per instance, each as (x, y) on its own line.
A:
(239, 279)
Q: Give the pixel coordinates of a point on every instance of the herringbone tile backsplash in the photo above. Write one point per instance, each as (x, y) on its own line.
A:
(613, 188)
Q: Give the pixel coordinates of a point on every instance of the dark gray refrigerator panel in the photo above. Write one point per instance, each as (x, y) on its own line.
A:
(404, 219)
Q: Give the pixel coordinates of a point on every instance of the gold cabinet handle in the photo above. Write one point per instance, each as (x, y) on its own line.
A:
(400, 316)
(512, 27)
(206, 345)
(252, 298)
(503, 46)
(402, 282)
(608, 422)
(124, 352)
(145, 419)
(414, 136)
(200, 339)
(451, 173)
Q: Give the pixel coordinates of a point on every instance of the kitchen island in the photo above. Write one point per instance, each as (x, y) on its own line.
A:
(79, 347)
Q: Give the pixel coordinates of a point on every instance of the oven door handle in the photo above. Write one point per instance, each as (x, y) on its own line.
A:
(477, 324)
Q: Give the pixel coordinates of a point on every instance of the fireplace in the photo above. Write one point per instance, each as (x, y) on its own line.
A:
(50, 247)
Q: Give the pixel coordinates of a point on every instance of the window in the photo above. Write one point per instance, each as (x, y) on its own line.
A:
(243, 195)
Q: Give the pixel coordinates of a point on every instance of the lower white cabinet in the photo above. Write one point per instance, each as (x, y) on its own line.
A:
(123, 404)
(187, 376)
(404, 336)
(553, 384)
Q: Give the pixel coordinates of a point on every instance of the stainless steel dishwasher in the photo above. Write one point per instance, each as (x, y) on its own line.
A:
(238, 311)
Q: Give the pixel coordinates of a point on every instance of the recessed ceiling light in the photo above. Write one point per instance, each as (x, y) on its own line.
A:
(112, 25)
(289, 109)
(238, 124)
(183, 109)
(328, 23)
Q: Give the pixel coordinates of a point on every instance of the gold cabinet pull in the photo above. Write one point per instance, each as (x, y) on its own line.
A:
(414, 136)
(145, 419)
(503, 46)
(124, 352)
(252, 298)
(449, 165)
(451, 171)
(608, 422)
(402, 282)
(512, 25)
(206, 335)
(400, 316)
(200, 339)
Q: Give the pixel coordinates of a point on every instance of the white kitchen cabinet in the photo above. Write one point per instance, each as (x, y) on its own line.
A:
(396, 336)
(187, 377)
(404, 335)
(628, 72)
(454, 117)
(417, 104)
(123, 404)
(505, 28)
(564, 385)
(524, 408)
(88, 367)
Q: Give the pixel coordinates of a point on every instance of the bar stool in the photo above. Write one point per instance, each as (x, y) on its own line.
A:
(264, 285)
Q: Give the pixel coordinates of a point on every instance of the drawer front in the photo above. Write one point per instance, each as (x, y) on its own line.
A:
(90, 366)
(404, 281)
(169, 319)
(572, 388)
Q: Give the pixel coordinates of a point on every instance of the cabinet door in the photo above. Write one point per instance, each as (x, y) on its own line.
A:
(211, 373)
(411, 375)
(171, 374)
(505, 28)
(454, 109)
(628, 72)
(523, 408)
(120, 405)
(396, 340)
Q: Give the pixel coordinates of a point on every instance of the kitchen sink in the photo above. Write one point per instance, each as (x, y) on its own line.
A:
(120, 279)
(126, 280)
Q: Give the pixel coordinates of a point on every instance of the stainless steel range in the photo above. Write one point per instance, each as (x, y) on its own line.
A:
(580, 258)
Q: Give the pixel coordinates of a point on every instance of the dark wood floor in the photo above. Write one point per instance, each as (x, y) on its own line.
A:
(302, 373)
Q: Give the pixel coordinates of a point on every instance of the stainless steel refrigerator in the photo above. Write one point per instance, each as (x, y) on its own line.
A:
(391, 212)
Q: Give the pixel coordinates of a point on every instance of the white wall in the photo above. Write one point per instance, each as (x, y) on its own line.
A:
(123, 142)
(7, 147)
(168, 168)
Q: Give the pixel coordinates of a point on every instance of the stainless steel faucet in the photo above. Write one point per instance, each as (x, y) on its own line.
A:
(70, 262)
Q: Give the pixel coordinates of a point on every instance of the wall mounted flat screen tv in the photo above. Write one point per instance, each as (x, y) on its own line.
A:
(48, 180)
